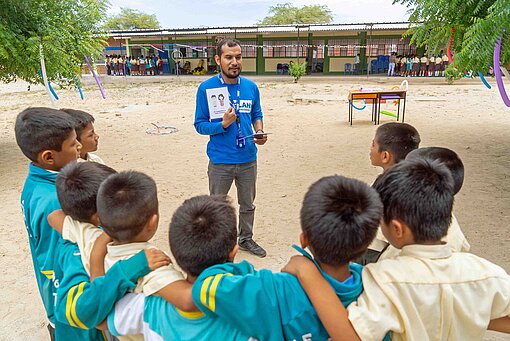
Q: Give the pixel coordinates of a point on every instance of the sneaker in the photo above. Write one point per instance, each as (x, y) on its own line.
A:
(252, 247)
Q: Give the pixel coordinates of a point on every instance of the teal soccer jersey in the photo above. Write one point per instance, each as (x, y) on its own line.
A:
(81, 305)
(267, 305)
(38, 199)
(158, 320)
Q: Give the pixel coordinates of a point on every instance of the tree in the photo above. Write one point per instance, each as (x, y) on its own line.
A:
(67, 30)
(129, 19)
(285, 14)
(477, 26)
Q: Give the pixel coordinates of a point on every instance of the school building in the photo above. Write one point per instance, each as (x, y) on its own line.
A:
(328, 48)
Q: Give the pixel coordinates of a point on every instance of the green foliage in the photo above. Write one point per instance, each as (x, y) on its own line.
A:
(67, 30)
(297, 70)
(285, 14)
(129, 19)
(478, 24)
(452, 73)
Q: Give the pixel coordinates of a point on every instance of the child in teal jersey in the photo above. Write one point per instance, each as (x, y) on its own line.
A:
(48, 139)
(339, 219)
(202, 233)
(80, 304)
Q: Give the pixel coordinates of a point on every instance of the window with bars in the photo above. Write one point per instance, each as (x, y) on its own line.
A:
(318, 49)
(378, 46)
(343, 47)
(194, 49)
(249, 48)
(285, 48)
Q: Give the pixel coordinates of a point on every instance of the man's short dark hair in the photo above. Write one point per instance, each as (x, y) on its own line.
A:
(125, 203)
(445, 156)
(203, 232)
(77, 187)
(397, 138)
(227, 41)
(418, 193)
(38, 129)
(340, 217)
(81, 118)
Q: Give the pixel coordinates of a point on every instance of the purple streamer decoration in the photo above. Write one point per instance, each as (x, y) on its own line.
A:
(497, 73)
(95, 77)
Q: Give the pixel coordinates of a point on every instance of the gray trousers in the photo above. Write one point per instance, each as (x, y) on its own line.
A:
(221, 177)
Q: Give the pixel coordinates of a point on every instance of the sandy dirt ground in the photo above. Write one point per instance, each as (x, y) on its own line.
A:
(311, 138)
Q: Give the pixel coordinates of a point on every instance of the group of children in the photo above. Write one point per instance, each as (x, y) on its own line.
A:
(100, 277)
(119, 65)
(412, 65)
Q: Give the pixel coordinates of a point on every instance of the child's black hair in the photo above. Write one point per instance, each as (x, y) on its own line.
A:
(418, 193)
(38, 129)
(77, 187)
(203, 232)
(397, 138)
(446, 156)
(340, 217)
(125, 203)
(81, 118)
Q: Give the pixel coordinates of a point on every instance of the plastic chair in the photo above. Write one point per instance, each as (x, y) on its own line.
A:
(373, 66)
(279, 69)
(347, 68)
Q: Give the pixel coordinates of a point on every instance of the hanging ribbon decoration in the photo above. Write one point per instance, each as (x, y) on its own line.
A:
(79, 87)
(497, 72)
(44, 76)
(484, 81)
(95, 77)
(449, 49)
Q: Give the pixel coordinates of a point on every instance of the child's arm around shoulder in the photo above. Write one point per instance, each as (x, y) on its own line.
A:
(99, 251)
(56, 220)
(178, 294)
(246, 298)
(500, 325)
(331, 312)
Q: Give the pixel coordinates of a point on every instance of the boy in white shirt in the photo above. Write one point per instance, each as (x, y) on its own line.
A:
(455, 238)
(427, 292)
(85, 134)
(127, 209)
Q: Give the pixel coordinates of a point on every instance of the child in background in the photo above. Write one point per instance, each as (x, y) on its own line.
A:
(48, 139)
(427, 292)
(439, 65)
(203, 232)
(339, 219)
(391, 144)
(432, 66)
(86, 134)
(424, 64)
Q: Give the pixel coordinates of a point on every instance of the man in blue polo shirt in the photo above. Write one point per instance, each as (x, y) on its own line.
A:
(230, 124)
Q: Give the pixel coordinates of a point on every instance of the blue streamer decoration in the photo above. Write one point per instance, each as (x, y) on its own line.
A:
(483, 80)
(355, 107)
(50, 87)
(79, 87)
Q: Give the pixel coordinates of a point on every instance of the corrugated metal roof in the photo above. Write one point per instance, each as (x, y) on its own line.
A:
(257, 29)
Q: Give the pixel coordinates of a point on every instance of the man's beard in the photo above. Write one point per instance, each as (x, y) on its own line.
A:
(228, 74)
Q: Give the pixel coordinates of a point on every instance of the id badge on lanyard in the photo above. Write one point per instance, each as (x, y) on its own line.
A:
(240, 139)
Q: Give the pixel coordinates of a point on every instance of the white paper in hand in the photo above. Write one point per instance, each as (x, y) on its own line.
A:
(218, 100)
